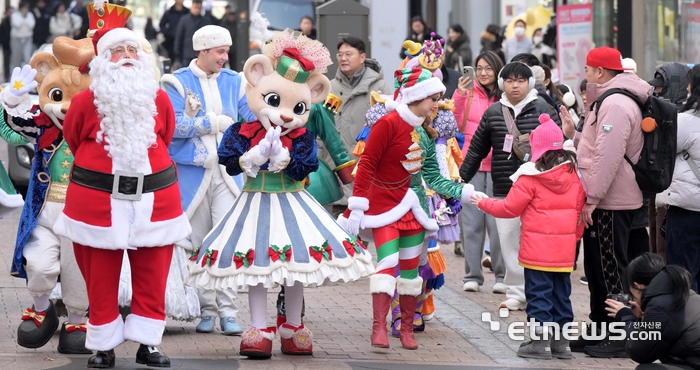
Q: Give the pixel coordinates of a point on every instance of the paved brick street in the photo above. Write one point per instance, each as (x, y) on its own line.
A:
(340, 318)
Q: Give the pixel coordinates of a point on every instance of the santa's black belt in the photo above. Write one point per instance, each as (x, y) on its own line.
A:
(124, 184)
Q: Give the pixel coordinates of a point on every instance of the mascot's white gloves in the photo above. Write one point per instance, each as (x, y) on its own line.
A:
(15, 97)
(22, 81)
(192, 106)
(279, 155)
(256, 156)
(354, 221)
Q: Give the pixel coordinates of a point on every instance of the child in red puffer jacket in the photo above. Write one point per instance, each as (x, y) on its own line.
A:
(548, 196)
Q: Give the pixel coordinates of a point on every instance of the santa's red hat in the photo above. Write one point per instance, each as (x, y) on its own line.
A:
(107, 38)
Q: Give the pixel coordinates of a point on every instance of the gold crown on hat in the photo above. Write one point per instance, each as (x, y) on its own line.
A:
(107, 16)
(433, 53)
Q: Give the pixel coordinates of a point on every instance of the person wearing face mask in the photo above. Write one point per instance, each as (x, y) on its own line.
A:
(541, 50)
(518, 43)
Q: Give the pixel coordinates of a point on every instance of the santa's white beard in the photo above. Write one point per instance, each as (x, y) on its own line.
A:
(125, 102)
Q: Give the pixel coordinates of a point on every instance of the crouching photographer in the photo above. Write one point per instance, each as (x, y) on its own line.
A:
(662, 303)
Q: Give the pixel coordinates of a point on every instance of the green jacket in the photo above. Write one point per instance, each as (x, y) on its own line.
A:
(11, 136)
(431, 174)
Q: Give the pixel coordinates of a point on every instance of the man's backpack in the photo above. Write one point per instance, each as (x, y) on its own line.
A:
(654, 170)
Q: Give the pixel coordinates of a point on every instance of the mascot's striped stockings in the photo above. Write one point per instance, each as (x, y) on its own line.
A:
(402, 248)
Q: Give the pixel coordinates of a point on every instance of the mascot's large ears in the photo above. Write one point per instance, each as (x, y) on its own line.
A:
(43, 62)
(319, 86)
(256, 67)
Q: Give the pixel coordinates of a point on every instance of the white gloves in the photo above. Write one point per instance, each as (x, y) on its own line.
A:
(355, 221)
(468, 191)
(192, 106)
(22, 80)
(269, 148)
(218, 122)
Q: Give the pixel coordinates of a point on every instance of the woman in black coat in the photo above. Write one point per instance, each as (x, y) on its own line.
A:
(663, 302)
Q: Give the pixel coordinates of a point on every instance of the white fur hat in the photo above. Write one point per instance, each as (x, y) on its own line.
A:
(105, 39)
(211, 36)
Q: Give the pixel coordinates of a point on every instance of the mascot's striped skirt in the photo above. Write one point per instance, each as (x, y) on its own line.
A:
(277, 233)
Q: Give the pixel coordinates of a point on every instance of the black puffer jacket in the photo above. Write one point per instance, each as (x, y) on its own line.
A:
(491, 133)
(680, 330)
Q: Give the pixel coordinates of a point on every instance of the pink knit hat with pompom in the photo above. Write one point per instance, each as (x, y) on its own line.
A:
(547, 136)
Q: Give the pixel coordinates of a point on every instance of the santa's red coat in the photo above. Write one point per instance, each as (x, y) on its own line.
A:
(92, 217)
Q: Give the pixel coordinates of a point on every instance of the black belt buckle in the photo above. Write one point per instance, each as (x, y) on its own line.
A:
(139, 186)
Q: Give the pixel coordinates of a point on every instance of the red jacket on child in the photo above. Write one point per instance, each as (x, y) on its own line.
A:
(549, 205)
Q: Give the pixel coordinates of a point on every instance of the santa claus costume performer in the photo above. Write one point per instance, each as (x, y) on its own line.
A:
(122, 196)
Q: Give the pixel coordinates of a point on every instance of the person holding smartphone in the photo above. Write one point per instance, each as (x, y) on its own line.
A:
(475, 93)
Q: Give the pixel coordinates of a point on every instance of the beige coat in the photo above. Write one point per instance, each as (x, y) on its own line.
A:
(351, 118)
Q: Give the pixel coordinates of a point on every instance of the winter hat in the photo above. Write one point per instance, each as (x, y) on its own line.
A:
(415, 84)
(547, 136)
(629, 63)
(211, 36)
(106, 38)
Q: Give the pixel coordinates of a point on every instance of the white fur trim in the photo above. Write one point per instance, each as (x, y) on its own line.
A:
(391, 105)
(412, 287)
(16, 106)
(168, 79)
(116, 36)
(527, 168)
(9, 202)
(253, 335)
(408, 116)
(467, 192)
(360, 203)
(144, 330)
(382, 283)
(409, 202)
(211, 36)
(434, 249)
(105, 337)
(422, 90)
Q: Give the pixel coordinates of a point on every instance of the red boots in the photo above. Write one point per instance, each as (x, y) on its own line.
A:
(408, 308)
(380, 308)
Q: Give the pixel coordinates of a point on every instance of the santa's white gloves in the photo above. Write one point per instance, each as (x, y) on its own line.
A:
(269, 148)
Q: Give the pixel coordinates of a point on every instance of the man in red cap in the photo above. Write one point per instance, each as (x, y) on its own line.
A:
(612, 193)
(122, 195)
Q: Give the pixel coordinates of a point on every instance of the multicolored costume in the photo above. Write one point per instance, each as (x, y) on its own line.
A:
(390, 199)
(10, 200)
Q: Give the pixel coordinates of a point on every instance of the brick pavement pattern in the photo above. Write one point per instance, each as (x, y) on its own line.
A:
(338, 315)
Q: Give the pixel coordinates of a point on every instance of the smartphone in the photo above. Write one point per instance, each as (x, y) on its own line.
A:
(166, 66)
(622, 298)
(468, 72)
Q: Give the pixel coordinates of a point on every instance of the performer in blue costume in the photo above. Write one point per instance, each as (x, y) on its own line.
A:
(207, 100)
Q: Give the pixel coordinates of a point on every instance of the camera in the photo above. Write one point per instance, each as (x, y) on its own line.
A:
(622, 298)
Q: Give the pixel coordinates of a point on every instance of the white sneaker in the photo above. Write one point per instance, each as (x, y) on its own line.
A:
(428, 317)
(513, 304)
(471, 286)
(500, 288)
